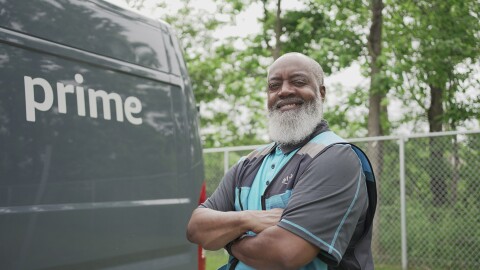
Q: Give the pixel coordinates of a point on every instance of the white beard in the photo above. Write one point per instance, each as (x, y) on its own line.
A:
(293, 126)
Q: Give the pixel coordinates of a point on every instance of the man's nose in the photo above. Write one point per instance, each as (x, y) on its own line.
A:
(286, 90)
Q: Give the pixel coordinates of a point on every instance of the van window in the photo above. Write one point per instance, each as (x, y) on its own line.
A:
(100, 31)
(174, 65)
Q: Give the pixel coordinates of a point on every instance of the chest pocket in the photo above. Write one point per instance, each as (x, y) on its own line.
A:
(242, 197)
(278, 201)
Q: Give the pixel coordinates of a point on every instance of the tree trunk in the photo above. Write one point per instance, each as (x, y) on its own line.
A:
(438, 185)
(278, 31)
(376, 95)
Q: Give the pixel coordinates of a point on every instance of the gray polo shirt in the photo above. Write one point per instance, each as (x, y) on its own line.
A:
(326, 205)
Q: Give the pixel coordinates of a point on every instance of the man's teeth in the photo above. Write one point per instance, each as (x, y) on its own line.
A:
(287, 106)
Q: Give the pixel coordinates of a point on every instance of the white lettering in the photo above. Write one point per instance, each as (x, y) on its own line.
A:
(30, 104)
(80, 95)
(105, 97)
(62, 90)
(80, 101)
(79, 78)
(132, 105)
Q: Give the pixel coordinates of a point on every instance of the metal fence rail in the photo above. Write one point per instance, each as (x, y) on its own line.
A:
(428, 213)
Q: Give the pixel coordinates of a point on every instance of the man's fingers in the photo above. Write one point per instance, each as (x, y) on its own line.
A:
(263, 219)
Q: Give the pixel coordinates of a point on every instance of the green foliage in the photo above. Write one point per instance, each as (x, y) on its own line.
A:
(225, 76)
(425, 43)
(443, 240)
(338, 116)
(434, 43)
(215, 259)
(226, 80)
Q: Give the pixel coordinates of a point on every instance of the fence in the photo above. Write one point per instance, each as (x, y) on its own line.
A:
(428, 214)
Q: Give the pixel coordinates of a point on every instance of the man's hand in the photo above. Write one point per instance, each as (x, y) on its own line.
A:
(274, 248)
(259, 220)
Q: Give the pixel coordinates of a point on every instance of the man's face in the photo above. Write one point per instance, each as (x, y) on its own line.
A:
(294, 103)
(291, 84)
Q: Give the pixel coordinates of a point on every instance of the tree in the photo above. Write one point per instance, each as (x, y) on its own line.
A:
(434, 44)
(377, 107)
(226, 74)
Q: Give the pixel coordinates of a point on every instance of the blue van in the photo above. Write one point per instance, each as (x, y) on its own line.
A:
(100, 155)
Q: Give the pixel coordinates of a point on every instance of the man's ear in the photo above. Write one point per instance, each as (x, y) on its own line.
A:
(323, 91)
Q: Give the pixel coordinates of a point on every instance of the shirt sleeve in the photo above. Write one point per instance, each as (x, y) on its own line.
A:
(327, 202)
(223, 198)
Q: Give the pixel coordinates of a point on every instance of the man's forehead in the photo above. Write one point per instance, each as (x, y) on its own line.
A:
(290, 63)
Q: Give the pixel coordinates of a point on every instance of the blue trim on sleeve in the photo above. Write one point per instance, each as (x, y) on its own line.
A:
(331, 248)
(363, 160)
(347, 213)
(326, 138)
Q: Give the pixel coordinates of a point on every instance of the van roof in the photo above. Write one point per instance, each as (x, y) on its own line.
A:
(93, 26)
(132, 14)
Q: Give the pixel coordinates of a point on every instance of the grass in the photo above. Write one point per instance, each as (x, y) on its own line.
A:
(215, 259)
(387, 267)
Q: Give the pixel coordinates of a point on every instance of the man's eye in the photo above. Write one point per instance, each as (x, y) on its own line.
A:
(299, 83)
(273, 86)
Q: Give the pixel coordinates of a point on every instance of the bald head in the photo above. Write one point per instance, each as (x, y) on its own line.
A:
(310, 64)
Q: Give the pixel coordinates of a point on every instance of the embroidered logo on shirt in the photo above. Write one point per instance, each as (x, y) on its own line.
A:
(287, 178)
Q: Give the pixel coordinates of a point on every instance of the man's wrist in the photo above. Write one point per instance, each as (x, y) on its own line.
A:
(244, 221)
(229, 246)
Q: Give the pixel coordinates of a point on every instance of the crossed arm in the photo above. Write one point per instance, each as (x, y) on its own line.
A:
(272, 248)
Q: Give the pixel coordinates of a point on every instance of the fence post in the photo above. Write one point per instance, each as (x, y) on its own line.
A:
(403, 214)
(225, 162)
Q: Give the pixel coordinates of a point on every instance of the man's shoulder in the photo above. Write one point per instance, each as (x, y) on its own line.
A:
(336, 154)
(321, 143)
(327, 137)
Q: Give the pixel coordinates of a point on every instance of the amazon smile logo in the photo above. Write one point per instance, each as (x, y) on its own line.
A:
(286, 179)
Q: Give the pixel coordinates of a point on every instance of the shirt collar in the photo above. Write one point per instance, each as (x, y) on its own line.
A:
(287, 148)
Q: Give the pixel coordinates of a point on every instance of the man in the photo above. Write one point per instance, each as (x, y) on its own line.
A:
(306, 201)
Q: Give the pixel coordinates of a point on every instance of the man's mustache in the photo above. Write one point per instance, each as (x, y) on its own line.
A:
(291, 100)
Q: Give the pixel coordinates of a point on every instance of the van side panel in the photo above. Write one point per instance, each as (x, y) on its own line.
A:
(80, 190)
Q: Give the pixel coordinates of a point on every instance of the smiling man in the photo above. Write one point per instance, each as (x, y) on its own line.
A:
(305, 201)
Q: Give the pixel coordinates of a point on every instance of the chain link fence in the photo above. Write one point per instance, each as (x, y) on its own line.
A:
(428, 214)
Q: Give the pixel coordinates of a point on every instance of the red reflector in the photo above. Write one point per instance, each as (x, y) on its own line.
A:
(202, 262)
(203, 193)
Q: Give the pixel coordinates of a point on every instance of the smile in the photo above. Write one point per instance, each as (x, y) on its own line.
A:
(286, 105)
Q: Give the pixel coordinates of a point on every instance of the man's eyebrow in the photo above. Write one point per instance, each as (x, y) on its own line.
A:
(274, 78)
(293, 75)
(299, 74)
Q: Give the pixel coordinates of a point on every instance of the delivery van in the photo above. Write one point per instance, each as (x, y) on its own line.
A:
(100, 155)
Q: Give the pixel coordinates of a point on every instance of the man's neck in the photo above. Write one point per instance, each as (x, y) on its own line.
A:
(321, 127)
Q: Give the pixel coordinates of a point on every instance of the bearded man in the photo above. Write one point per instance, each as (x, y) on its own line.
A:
(305, 201)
